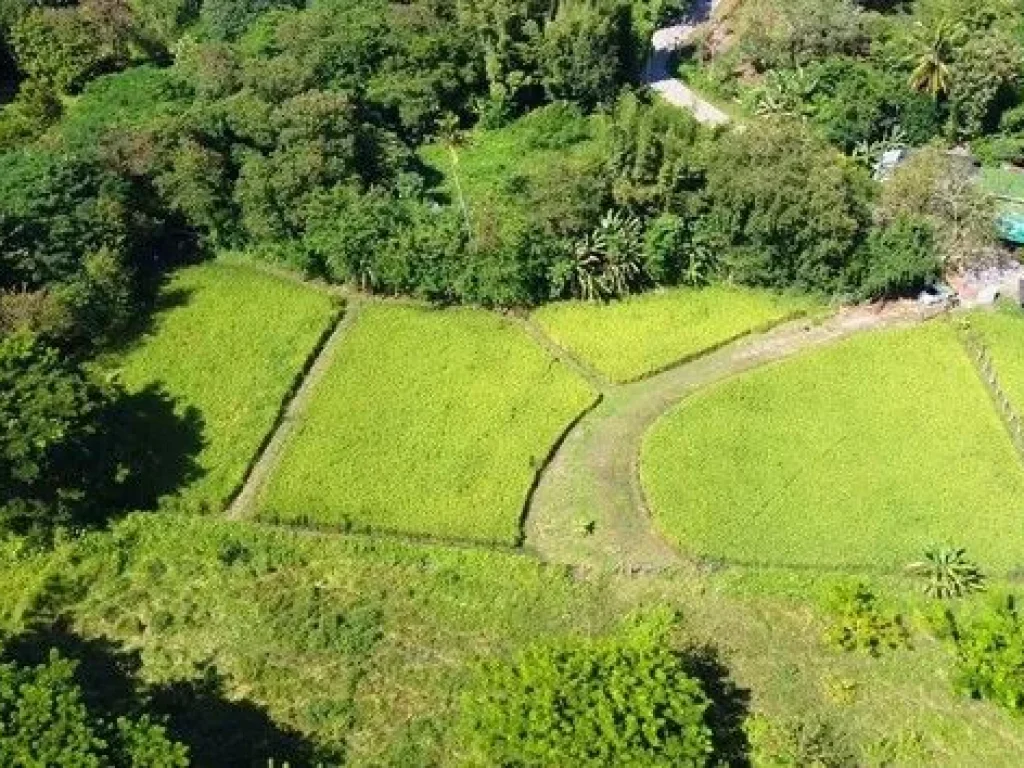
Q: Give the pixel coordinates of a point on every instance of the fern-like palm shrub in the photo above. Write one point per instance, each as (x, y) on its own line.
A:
(624, 701)
(609, 262)
(948, 573)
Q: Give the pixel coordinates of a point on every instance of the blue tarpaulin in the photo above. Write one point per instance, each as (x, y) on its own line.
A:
(1011, 227)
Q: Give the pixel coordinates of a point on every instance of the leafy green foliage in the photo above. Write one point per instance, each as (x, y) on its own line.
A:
(607, 263)
(898, 258)
(448, 416)
(990, 655)
(57, 47)
(859, 621)
(587, 53)
(623, 701)
(45, 722)
(862, 441)
(71, 225)
(227, 19)
(57, 463)
(782, 211)
(948, 573)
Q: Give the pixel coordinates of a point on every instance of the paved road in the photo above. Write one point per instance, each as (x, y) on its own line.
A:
(666, 42)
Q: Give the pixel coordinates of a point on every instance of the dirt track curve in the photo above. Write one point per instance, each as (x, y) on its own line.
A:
(588, 509)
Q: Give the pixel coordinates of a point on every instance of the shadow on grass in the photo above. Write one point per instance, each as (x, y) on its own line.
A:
(730, 705)
(159, 299)
(219, 731)
(158, 445)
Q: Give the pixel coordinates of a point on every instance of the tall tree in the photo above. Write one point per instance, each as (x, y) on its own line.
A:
(934, 48)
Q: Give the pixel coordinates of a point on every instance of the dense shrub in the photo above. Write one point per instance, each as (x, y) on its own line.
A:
(56, 463)
(227, 19)
(625, 701)
(45, 721)
(899, 257)
(783, 210)
(990, 655)
(587, 53)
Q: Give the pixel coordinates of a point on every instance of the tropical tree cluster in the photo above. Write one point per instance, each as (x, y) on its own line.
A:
(863, 71)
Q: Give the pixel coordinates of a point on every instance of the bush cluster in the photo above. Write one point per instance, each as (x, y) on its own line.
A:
(625, 701)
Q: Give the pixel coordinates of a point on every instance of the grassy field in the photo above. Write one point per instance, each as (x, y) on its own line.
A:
(495, 168)
(222, 354)
(1002, 183)
(861, 455)
(358, 649)
(429, 422)
(630, 339)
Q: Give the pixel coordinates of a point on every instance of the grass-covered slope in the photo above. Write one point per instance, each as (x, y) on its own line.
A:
(860, 455)
(268, 642)
(643, 334)
(358, 646)
(428, 422)
(226, 349)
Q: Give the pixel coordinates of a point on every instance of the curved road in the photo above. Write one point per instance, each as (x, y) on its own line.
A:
(658, 78)
(588, 508)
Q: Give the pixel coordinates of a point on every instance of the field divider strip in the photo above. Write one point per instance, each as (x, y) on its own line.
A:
(587, 372)
(983, 362)
(368, 533)
(294, 406)
(543, 467)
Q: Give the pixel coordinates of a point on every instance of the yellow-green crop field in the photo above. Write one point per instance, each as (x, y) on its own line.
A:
(860, 455)
(223, 354)
(644, 334)
(429, 422)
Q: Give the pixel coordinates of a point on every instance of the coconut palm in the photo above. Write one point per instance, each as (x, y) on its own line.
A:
(934, 48)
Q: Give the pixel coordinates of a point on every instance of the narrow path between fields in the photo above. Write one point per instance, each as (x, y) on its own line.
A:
(588, 509)
(658, 78)
(245, 503)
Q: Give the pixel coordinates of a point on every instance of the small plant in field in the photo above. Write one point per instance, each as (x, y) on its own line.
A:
(948, 573)
(813, 739)
(860, 622)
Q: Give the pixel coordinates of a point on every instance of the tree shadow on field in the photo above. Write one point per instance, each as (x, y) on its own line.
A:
(730, 705)
(220, 732)
(157, 442)
(159, 298)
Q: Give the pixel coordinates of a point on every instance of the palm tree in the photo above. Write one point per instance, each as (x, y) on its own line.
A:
(934, 49)
(451, 137)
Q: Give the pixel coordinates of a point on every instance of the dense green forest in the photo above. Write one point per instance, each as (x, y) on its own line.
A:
(197, 197)
(143, 135)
